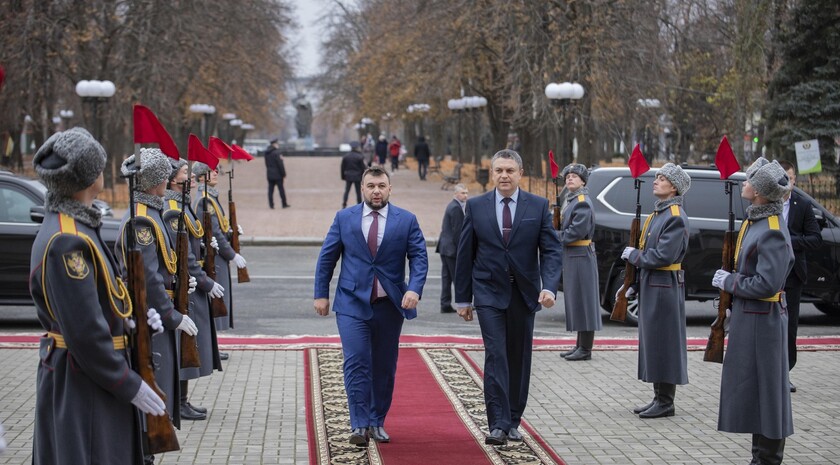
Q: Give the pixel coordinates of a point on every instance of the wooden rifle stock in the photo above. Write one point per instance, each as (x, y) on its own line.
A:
(217, 305)
(160, 433)
(619, 312)
(189, 345)
(714, 348)
(234, 242)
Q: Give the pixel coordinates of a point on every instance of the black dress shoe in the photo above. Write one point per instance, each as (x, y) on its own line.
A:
(659, 410)
(497, 437)
(579, 354)
(641, 409)
(569, 352)
(286, 206)
(224, 355)
(197, 409)
(514, 435)
(188, 413)
(359, 437)
(792, 387)
(378, 434)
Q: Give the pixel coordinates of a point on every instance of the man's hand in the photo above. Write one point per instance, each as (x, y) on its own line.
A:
(188, 326)
(217, 292)
(239, 230)
(239, 261)
(466, 313)
(192, 284)
(410, 299)
(322, 307)
(719, 279)
(546, 299)
(625, 254)
(214, 243)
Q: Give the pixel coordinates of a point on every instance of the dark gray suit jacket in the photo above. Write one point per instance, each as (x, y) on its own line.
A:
(450, 230)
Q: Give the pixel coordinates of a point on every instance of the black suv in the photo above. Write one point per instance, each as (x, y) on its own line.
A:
(707, 206)
(21, 212)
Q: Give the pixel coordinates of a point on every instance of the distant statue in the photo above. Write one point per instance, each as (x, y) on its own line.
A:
(303, 119)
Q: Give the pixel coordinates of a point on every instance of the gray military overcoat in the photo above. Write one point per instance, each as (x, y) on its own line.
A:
(226, 252)
(754, 390)
(580, 267)
(663, 356)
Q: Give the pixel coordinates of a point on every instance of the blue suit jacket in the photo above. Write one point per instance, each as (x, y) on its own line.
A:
(533, 255)
(403, 239)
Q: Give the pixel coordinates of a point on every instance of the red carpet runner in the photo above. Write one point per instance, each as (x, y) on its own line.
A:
(437, 416)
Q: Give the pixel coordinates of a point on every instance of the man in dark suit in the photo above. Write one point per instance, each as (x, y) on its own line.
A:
(804, 235)
(508, 265)
(373, 240)
(447, 244)
(275, 171)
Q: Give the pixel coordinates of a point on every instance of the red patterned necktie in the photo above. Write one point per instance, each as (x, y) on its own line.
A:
(373, 232)
(506, 221)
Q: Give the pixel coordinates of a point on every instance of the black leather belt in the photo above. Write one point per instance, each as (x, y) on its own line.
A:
(379, 300)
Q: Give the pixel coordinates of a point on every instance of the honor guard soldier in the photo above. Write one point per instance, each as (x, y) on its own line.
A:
(207, 180)
(754, 385)
(580, 277)
(199, 308)
(159, 262)
(663, 355)
(85, 386)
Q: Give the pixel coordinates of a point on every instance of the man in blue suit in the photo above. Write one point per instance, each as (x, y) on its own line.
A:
(373, 240)
(508, 265)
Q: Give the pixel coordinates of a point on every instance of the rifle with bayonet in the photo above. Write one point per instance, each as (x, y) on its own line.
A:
(189, 345)
(619, 312)
(714, 347)
(217, 305)
(160, 434)
(242, 273)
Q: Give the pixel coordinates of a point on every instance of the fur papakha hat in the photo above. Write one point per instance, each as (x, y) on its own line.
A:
(176, 165)
(69, 161)
(677, 177)
(154, 169)
(770, 180)
(761, 161)
(199, 169)
(578, 169)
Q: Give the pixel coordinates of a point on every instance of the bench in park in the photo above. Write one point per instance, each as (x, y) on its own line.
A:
(453, 178)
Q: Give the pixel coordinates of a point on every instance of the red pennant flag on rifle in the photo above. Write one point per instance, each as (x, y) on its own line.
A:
(148, 130)
(725, 159)
(240, 154)
(555, 170)
(218, 148)
(197, 152)
(637, 163)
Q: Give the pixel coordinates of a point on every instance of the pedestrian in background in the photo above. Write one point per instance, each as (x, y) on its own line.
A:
(368, 145)
(394, 151)
(580, 279)
(352, 168)
(275, 171)
(663, 355)
(447, 245)
(805, 235)
(85, 386)
(508, 266)
(372, 298)
(422, 154)
(381, 150)
(754, 383)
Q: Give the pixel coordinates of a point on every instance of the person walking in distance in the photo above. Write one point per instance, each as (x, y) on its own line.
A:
(381, 150)
(373, 240)
(754, 383)
(422, 154)
(663, 355)
(804, 235)
(394, 152)
(352, 168)
(508, 265)
(447, 246)
(580, 280)
(85, 310)
(275, 171)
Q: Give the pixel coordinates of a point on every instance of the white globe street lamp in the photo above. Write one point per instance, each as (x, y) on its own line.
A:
(206, 111)
(561, 95)
(94, 92)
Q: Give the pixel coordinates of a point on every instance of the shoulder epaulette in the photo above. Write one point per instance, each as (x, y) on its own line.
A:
(581, 198)
(773, 222)
(675, 210)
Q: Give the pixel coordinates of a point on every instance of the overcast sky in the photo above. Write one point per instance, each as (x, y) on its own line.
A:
(309, 39)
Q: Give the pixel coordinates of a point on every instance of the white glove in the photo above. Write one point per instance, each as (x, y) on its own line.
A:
(148, 401)
(153, 320)
(725, 320)
(193, 283)
(188, 326)
(720, 278)
(239, 261)
(217, 292)
(239, 228)
(214, 243)
(629, 293)
(626, 253)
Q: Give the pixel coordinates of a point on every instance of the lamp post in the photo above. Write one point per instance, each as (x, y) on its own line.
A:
(66, 116)
(420, 109)
(226, 130)
(561, 95)
(457, 105)
(244, 128)
(387, 117)
(647, 103)
(94, 93)
(207, 112)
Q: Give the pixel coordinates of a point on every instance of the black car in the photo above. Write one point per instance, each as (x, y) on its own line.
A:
(21, 212)
(707, 206)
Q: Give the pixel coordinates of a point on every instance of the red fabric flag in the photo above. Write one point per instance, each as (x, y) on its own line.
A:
(555, 170)
(197, 152)
(148, 130)
(218, 148)
(638, 164)
(240, 154)
(725, 159)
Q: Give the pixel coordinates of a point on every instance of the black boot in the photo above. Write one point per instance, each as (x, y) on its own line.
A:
(187, 410)
(584, 352)
(769, 451)
(570, 352)
(641, 409)
(663, 406)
